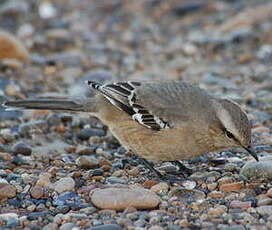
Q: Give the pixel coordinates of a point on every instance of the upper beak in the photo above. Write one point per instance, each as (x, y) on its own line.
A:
(251, 153)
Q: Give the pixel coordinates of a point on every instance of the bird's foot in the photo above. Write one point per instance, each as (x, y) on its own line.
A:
(171, 179)
(182, 169)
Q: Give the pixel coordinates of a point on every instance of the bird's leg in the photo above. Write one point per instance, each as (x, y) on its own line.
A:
(182, 168)
(151, 168)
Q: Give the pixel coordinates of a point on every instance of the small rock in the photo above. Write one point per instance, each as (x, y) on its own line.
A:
(37, 215)
(64, 184)
(263, 202)
(37, 192)
(160, 187)
(44, 180)
(121, 198)
(68, 199)
(216, 194)
(240, 204)
(155, 227)
(25, 128)
(87, 162)
(187, 195)
(231, 187)
(106, 227)
(12, 48)
(67, 226)
(265, 210)
(269, 192)
(115, 180)
(11, 219)
(86, 133)
(84, 150)
(5, 156)
(217, 211)
(7, 190)
(261, 169)
(22, 148)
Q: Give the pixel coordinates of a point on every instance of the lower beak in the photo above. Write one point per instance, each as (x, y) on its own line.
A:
(251, 153)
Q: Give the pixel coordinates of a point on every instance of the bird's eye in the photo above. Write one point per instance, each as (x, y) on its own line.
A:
(229, 135)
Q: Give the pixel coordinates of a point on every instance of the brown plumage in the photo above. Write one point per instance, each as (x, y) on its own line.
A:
(162, 121)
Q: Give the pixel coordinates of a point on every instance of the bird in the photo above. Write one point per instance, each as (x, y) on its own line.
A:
(168, 120)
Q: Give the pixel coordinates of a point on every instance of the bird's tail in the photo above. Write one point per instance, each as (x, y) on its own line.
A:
(79, 105)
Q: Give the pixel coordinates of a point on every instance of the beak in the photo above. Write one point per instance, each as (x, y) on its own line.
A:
(251, 153)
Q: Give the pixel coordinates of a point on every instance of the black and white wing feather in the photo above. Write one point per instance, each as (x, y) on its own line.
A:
(123, 95)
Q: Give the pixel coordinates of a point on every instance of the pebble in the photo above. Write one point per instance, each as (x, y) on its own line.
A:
(68, 199)
(7, 190)
(25, 128)
(240, 204)
(265, 210)
(44, 180)
(107, 227)
(67, 226)
(12, 48)
(265, 201)
(261, 169)
(216, 194)
(64, 184)
(231, 187)
(160, 187)
(37, 215)
(86, 133)
(115, 180)
(11, 219)
(121, 198)
(22, 148)
(217, 211)
(37, 192)
(269, 192)
(187, 195)
(87, 162)
(84, 150)
(155, 227)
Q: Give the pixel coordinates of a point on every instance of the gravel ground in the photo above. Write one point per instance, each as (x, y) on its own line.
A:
(66, 171)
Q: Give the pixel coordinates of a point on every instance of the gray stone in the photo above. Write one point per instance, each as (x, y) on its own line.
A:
(64, 184)
(88, 162)
(261, 169)
(121, 198)
(106, 227)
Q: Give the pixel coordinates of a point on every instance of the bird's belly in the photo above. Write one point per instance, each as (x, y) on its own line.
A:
(166, 145)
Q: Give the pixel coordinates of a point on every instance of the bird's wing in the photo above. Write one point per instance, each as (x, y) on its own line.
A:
(156, 105)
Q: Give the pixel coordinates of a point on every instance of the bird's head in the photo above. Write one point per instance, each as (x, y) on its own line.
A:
(233, 126)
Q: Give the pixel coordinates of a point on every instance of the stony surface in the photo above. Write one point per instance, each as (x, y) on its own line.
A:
(53, 163)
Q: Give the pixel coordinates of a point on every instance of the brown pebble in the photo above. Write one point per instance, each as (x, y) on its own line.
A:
(269, 192)
(5, 156)
(240, 204)
(149, 183)
(12, 48)
(37, 192)
(217, 211)
(134, 171)
(44, 180)
(225, 180)
(216, 194)
(232, 187)
(7, 191)
(160, 187)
